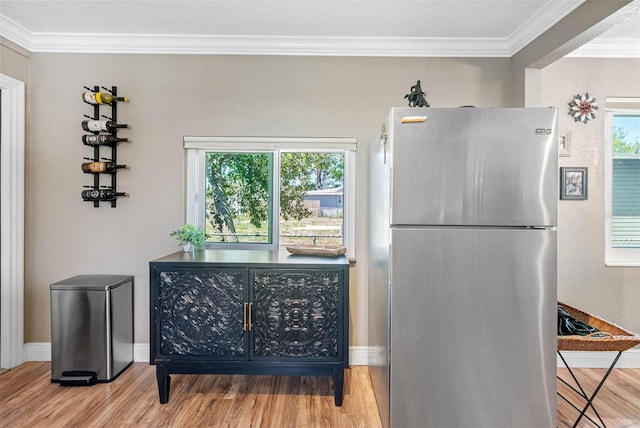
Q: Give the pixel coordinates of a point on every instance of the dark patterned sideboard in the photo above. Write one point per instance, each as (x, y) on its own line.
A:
(249, 312)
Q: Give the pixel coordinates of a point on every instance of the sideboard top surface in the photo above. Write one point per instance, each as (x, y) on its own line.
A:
(253, 258)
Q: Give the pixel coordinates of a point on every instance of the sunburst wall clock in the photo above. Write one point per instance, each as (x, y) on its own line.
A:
(582, 108)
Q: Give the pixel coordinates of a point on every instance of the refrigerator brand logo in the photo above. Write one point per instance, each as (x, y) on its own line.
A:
(543, 131)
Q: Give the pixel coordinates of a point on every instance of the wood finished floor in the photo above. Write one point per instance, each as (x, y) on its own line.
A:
(617, 402)
(29, 399)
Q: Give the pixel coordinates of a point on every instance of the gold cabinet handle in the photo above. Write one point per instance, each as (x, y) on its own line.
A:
(250, 310)
(244, 318)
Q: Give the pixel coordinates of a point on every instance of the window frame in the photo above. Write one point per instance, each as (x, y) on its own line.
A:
(616, 256)
(197, 147)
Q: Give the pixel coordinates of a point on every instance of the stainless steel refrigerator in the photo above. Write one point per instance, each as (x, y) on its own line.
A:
(462, 268)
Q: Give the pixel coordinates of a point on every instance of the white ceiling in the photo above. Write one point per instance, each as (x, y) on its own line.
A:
(485, 28)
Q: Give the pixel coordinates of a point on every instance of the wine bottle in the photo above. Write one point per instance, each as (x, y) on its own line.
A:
(101, 167)
(101, 195)
(102, 140)
(102, 98)
(102, 125)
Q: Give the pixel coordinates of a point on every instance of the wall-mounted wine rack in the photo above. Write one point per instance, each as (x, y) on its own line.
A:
(98, 192)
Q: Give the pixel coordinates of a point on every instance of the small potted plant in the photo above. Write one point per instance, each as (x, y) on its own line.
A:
(189, 237)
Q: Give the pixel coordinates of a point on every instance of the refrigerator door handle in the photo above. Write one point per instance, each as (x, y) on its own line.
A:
(383, 143)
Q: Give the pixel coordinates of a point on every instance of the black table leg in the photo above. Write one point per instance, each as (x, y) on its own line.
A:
(164, 382)
(338, 382)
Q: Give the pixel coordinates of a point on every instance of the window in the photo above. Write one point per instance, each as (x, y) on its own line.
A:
(622, 182)
(238, 197)
(265, 193)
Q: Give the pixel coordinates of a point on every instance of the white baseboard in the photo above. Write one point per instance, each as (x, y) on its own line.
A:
(358, 356)
(628, 360)
(41, 351)
(36, 351)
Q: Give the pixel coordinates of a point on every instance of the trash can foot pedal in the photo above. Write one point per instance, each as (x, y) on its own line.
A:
(78, 378)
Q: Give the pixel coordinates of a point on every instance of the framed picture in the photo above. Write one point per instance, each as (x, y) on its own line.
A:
(573, 183)
(564, 147)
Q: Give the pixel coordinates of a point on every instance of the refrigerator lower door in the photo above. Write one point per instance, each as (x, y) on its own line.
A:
(473, 328)
(378, 294)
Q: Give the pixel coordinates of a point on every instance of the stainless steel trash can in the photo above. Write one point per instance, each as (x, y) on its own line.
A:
(91, 328)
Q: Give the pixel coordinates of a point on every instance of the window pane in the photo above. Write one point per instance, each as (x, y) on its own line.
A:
(311, 198)
(238, 197)
(625, 218)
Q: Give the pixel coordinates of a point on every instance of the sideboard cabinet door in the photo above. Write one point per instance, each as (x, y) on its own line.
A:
(200, 312)
(297, 314)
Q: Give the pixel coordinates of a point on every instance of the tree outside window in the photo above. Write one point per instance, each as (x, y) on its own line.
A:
(240, 196)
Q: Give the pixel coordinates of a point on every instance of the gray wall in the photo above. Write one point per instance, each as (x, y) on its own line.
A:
(176, 95)
(14, 60)
(583, 279)
(172, 96)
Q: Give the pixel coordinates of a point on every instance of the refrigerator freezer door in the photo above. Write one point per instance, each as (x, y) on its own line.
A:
(473, 328)
(472, 166)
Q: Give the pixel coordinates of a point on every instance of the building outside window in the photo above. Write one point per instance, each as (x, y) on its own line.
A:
(622, 182)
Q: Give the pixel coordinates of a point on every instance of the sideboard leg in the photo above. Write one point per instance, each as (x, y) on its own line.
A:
(164, 383)
(338, 382)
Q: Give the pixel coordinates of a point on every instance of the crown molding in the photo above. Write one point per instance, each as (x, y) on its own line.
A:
(540, 22)
(15, 32)
(312, 46)
(609, 47)
(253, 45)
(246, 45)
